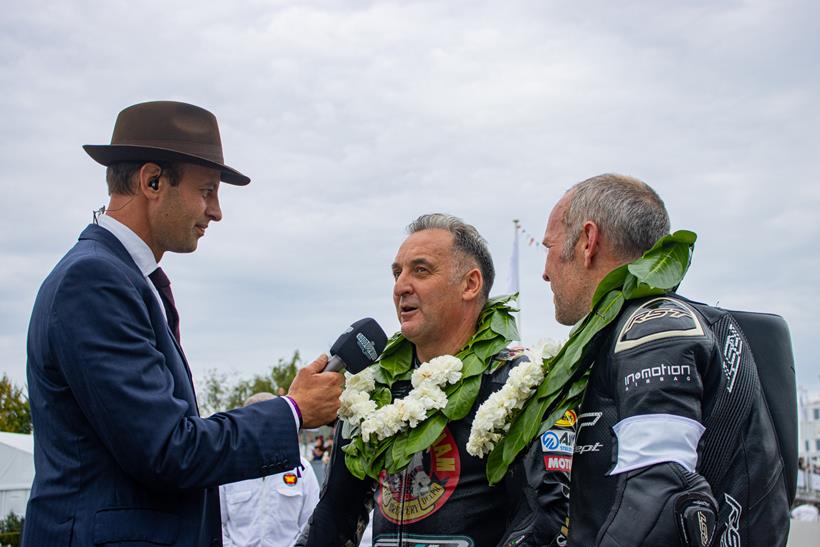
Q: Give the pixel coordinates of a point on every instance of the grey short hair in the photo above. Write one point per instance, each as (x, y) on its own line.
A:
(627, 211)
(466, 240)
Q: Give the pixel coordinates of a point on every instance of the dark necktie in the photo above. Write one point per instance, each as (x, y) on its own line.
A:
(163, 285)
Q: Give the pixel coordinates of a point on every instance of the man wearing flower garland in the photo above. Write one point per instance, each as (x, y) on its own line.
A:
(409, 416)
(659, 441)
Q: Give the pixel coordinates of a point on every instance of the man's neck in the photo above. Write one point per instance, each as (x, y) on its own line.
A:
(132, 215)
(451, 346)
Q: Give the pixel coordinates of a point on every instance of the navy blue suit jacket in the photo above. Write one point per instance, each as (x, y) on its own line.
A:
(121, 455)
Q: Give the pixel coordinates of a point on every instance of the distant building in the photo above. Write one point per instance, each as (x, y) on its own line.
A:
(808, 477)
(16, 472)
(809, 419)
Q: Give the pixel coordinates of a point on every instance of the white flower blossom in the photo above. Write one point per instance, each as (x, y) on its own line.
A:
(355, 405)
(544, 349)
(494, 417)
(382, 423)
(439, 371)
(358, 408)
(430, 396)
(411, 410)
(363, 381)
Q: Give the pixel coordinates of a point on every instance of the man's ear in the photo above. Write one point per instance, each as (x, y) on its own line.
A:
(591, 240)
(473, 284)
(148, 183)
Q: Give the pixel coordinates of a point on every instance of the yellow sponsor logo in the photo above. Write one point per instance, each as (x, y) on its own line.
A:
(568, 420)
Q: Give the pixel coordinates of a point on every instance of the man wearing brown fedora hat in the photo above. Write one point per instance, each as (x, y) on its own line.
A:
(121, 453)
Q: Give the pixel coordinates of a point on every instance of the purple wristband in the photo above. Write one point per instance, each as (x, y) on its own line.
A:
(298, 412)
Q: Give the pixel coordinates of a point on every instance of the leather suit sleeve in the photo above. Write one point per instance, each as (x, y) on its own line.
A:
(658, 379)
(539, 518)
(344, 507)
(646, 512)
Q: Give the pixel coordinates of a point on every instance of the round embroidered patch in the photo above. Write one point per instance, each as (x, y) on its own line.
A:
(424, 486)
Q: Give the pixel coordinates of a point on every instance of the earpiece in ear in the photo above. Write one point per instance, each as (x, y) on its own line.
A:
(154, 183)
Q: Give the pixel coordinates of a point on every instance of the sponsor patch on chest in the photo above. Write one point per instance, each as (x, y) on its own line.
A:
(558, 463)
(424, 486)
(558, 441)
(657, 319)
(659, 374)
(568, 420)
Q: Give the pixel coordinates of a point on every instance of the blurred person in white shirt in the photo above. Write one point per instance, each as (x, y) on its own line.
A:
(268, 511)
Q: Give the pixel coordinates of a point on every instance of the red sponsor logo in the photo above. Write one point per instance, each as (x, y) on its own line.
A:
(424, 486)
(558, 463)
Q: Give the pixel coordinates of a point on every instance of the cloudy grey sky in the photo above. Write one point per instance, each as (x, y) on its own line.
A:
(354, 117)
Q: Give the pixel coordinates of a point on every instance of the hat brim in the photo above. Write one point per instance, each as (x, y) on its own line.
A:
(106, 154)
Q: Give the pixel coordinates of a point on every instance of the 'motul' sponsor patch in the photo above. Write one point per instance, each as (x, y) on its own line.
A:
(558, 463)
(657, 319)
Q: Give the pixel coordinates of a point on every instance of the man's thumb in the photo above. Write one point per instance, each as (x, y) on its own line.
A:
(317, 365)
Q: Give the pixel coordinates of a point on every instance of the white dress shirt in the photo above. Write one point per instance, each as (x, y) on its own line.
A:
(269, 511)
(140, 253)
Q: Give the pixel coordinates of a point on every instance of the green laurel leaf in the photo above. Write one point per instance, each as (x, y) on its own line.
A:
(381, 396)
(461, 400)
(422, 436)
(471, 365)
(398, 362)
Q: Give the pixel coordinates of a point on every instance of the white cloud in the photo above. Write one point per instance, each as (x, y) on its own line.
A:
(352, 118)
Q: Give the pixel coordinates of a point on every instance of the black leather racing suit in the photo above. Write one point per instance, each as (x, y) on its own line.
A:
(442, 498)
(648, 432)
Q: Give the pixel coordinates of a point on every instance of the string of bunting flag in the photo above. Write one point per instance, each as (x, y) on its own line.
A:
(532, 240)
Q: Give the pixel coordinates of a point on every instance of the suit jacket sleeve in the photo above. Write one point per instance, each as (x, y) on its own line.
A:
(103, 330)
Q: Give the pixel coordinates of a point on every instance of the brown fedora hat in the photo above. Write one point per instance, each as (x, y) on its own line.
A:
(166, 131)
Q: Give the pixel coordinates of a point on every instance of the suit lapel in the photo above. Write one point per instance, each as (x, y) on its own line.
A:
(185, 362)
(110, 241)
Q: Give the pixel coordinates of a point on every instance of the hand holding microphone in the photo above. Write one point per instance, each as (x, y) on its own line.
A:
(317, 387)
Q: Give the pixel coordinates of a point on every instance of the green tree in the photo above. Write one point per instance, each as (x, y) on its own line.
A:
(213, 395)
(219, 393)
(10, 529)
(15, 412)
(283, 372)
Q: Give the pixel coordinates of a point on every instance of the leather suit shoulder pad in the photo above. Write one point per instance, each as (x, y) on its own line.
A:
(654, 319)
(504, 362)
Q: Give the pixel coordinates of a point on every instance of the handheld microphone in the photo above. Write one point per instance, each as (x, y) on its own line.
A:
(358, 347)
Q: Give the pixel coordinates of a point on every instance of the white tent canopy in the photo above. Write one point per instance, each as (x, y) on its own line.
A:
(16, 472)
